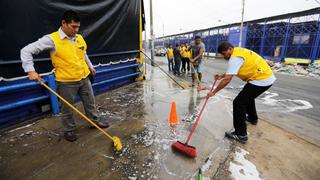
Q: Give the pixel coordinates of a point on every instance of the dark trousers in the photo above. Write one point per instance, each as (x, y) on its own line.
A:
(69, 91)
(170, 64)
(183, 67)
(188, 64)
(177, 64)
(244, 104)
(185, 62)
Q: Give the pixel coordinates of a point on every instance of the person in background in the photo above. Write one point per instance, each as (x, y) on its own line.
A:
(185, 58)
(177, 60)
(170, 58)
(188, 54)
(253, 69)
(72, 68)
(197, 49)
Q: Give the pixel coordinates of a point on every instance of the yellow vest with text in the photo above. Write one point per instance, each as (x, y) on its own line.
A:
(69, 59)
(254, 66)
(170, 53)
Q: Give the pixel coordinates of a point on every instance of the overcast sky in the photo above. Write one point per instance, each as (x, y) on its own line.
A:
(177, 16)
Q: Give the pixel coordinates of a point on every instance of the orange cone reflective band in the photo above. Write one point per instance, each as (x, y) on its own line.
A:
(173, 118)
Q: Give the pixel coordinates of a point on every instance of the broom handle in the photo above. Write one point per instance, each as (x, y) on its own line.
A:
(198, 118)
(195, 73)
(75, 109)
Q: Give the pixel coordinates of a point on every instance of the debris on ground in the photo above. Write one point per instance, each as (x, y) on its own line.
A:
(312, 70)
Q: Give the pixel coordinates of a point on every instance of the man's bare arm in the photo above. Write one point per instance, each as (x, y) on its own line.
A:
(199, 55)
(223, 83)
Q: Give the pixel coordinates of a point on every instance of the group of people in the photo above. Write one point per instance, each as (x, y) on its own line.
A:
(243, 63)
(72, 69)
(179, 58)
(190, 57)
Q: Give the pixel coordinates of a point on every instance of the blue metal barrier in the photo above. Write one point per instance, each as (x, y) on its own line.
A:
(53, 99)
(118, 78)
(119, 68)
(22, 99)
(22, 103)
(18, 86)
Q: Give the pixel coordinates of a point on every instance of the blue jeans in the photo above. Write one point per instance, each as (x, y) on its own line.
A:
(170, 64)
(177, 64)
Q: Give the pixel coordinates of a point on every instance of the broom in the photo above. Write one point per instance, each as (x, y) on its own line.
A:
(184, 148)
(200, 88)
(116, 140)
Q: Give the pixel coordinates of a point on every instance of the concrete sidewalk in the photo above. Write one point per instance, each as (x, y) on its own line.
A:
(139, 116)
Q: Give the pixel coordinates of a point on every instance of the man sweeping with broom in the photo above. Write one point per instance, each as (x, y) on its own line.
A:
(72, 68)
(197, 49)
(251, 68)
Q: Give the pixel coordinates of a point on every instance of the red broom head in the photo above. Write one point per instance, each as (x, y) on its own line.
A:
(185, 149)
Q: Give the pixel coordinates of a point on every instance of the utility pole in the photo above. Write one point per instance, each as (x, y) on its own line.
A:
(163, 35)
(241, 26)
(146, 41)
(151, 34)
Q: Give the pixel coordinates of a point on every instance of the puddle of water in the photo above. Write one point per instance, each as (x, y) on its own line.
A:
(283, 105)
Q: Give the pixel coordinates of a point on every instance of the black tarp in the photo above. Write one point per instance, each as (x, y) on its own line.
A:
(108, 26)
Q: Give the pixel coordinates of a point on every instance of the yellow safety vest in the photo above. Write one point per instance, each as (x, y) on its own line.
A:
(254, 66)
(170, 53)
(184, 52)
(69, 59)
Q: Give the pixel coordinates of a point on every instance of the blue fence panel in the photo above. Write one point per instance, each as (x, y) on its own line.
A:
(234, 36)
(294, 35)
(301, 40)
(255, 37)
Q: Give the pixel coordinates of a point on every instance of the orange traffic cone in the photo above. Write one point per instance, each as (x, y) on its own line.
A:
(173, 118)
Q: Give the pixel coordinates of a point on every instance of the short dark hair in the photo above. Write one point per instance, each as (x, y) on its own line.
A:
(70, 16)
(197, 37)
(177, 45)
(224, 46)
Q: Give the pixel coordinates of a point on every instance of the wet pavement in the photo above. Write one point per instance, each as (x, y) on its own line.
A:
(292, 103)
(138, 114)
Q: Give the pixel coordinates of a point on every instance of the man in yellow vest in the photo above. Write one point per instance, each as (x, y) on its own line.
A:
(185, 58)
(188, 56)
(170, 58)
(72, 68)
(253, 69)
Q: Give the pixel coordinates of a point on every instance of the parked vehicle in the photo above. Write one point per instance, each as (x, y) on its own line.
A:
(160, 51)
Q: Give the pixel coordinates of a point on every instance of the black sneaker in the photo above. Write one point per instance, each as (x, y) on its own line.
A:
(234, 136)
(252, 122)
(70, 136)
